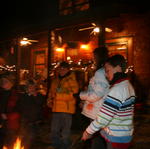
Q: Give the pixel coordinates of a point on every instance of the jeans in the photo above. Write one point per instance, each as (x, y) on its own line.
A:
(60, 130)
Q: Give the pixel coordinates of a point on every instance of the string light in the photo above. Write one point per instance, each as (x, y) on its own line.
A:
(8, 68)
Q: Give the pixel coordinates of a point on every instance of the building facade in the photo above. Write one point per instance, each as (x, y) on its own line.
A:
(71, 36)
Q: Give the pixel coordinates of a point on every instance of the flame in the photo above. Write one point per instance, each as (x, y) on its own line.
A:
(17, 144)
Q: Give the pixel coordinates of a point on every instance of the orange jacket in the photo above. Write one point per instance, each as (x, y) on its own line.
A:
(61, 94)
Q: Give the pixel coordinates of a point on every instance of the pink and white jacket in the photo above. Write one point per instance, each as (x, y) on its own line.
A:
(93, 97)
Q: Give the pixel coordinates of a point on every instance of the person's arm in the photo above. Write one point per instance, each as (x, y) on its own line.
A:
(104, 117)
(74, 85)
(97, 88)
(51, 94)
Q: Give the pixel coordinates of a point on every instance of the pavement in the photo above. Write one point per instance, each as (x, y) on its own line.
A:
(141, 139)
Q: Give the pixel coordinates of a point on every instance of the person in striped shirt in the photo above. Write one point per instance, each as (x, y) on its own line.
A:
(115, 117)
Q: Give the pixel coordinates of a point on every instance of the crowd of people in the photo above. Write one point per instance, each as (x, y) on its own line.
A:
(20, 112)
(107, 104)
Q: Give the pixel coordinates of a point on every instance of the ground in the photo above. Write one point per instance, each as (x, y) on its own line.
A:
(141, 138)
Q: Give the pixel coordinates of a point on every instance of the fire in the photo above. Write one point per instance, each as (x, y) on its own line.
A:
(17, 144)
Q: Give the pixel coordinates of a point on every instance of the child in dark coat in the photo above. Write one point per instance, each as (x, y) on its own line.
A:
(9, 118)
(30, 107)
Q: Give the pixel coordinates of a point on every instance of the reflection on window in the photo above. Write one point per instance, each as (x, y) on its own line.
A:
(117, 48)
(72, 6)
(39, 61)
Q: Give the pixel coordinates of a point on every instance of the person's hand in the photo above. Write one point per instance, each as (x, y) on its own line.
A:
(83, 95)
(81, 104)
(86, 136)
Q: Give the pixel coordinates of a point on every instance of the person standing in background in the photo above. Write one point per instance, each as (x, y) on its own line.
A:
(97, 89)
(63, 105)
(8, 113)
(30, 107)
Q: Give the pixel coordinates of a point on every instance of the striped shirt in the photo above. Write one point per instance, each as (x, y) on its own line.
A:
(115, 117)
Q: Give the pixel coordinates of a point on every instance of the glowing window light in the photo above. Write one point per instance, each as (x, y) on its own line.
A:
(60, 50)
(68, 58)
(79, 63)
(122, 48)
(84, 46)
(108, 29)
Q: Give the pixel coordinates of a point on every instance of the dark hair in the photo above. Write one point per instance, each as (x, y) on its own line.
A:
(7, 76)
(117, 60)
(64, 64)
(102, 55)
(30, 82)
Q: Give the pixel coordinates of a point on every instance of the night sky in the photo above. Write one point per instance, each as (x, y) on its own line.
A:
(23, 13)
(17, 14)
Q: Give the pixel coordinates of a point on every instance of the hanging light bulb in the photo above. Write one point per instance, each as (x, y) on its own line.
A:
(96, 30)
(25, 42)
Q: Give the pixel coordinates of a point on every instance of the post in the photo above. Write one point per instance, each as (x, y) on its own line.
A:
(18, 56)
(101, 37)
(49, 61)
